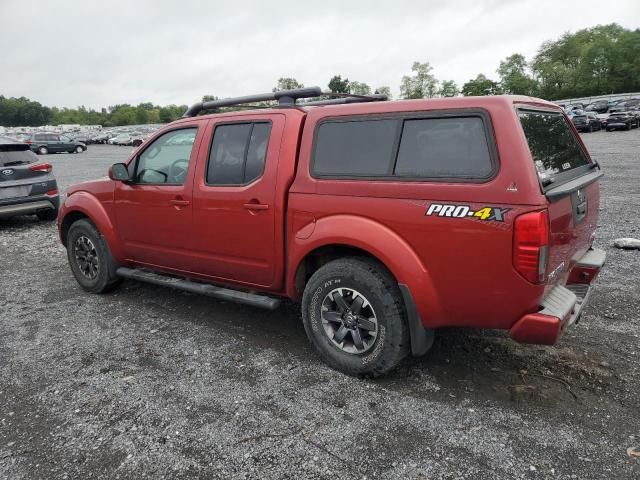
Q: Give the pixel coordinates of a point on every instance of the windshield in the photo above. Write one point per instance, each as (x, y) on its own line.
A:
(553, 145)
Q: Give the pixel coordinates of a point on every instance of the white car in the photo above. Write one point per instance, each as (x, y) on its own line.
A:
(121, 139)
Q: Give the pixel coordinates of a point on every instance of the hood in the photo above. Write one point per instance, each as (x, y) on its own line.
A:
(92, 186)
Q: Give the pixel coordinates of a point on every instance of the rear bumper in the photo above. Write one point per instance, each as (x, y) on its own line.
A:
(30, 206)
(563, 305)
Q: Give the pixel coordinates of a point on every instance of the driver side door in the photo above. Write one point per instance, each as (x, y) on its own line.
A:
(154, 210)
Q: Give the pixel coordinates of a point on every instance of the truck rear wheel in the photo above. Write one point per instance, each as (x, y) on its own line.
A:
(90, 259)
(354, 316)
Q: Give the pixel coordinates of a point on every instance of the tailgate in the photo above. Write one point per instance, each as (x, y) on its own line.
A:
(569, 180)
(20, 176)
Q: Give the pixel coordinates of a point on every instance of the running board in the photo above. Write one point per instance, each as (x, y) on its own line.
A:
(201, 288)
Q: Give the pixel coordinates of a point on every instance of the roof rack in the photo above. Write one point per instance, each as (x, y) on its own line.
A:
(285, 98)
(345, 99)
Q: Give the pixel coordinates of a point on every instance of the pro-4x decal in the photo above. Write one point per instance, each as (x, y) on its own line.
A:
(495, 214)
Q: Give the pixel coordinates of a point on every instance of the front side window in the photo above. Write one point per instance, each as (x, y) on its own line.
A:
(238, 153)
(166, 161)
(553, 145)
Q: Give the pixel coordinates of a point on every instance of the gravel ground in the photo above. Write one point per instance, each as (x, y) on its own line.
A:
(152, 383)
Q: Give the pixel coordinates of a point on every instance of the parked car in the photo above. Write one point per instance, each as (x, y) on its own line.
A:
(121, 139)
(599, 106)
(587, 122)
(81, 138)
(138, 139)
(44, 143)
(574, 112)
(626, 105)
(100, 137)
(635, 113)
(621, 121)
(604, 118)
(26, 187)
(386, 220)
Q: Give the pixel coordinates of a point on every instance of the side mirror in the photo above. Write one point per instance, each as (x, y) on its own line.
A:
(119, 172)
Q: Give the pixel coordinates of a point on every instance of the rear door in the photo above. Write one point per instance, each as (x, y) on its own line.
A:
(235, 209)
(569, 180)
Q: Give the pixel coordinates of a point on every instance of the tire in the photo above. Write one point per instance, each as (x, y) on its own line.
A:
(79, 149)
(352, 279)
(590, 128)
(43, 150)
(47, 215)
(98, 275)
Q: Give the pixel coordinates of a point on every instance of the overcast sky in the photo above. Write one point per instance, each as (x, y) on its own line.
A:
(99, 53)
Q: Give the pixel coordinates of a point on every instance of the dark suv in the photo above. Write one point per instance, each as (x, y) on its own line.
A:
(587, 122)
(26, 187)
(43, 143)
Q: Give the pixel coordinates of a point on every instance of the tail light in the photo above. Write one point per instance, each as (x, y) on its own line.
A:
(531, 245)
(52, 192)
(28, 142)
(41, 167)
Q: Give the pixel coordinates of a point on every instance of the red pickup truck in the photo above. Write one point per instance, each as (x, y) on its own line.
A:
(385, 219)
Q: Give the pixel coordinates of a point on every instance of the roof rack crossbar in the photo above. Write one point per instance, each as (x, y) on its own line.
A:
(284, 97)
(340, 101)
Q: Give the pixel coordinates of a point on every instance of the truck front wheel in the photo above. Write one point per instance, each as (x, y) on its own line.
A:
(354, 316)
(90, 259)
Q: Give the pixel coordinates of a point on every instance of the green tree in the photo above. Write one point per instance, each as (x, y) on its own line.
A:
(19, 112)
(480, 86)
(600, 60)
(449, 88)
(514, 76)
(422, 84)
(384, 90)
(339, 85)
(287, 83)
(359, 88)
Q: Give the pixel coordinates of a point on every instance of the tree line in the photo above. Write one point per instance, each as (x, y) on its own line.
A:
(601, 60)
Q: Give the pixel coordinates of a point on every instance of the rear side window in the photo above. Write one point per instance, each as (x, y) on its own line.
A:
(404, 148)
(238, 153)
(444, 147)
(355, 148)
(553, 145)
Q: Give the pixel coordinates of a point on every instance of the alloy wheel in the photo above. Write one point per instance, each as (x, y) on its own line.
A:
(86, 257)
(349, 320)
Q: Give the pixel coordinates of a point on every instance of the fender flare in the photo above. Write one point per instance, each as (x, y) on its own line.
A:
(90, 206)
(382, 243)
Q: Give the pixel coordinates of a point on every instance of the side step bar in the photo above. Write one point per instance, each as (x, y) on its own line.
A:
(237, 296)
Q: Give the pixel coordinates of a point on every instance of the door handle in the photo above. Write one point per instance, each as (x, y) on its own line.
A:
(180, 203)
(256, 206)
